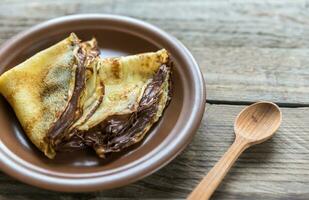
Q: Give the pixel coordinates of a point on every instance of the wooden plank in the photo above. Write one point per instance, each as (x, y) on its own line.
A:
(277, 169)
(251, 74)
(247, 50)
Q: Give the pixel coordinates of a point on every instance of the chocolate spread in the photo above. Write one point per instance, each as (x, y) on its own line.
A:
(85, 53)
(56, 132)
(119, 131)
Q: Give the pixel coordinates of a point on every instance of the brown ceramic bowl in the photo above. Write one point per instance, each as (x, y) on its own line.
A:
(84, 171)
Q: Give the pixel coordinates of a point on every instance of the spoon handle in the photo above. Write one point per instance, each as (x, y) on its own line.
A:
(210, 182)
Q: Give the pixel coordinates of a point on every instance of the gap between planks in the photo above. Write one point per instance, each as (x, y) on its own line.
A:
(239, 103)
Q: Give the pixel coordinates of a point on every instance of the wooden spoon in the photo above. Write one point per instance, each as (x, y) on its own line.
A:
(254, 124)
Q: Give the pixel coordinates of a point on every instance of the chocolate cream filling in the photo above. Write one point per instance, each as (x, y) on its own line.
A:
(86, 52)
(120, 131)
(56, 132)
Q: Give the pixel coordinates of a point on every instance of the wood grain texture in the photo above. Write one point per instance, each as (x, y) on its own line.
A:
(247, 50)
(276, 169)
(257, 49)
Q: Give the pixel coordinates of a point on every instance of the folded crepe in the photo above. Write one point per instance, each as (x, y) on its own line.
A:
(67, 98)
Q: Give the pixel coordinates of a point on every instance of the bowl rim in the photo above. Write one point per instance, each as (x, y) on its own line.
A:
(21, 170)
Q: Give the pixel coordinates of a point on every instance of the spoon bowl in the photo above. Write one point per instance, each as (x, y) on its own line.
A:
(258, 122)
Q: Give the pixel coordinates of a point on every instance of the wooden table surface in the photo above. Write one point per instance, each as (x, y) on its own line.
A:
(248, 51)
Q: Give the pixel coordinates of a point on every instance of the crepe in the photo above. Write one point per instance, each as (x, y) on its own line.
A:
(137, 89)
(67, 98)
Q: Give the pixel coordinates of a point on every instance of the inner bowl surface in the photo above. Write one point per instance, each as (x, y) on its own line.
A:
(83, 170)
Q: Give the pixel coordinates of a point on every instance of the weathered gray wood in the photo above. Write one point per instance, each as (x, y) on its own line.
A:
(277, 169)
(248, 50)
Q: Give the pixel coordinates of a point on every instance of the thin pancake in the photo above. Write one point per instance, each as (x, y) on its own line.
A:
(125, 79)
(67, 98)
(136, 93)
(118, 132)
(39, 89)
